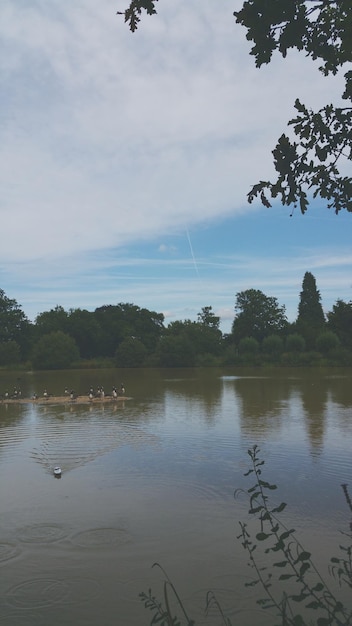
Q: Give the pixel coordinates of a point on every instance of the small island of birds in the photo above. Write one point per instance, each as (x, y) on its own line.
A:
(92, 396)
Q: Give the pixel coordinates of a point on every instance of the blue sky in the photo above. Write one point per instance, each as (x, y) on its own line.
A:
(125, 160)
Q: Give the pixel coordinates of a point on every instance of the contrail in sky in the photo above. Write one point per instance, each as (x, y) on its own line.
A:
(192, 253)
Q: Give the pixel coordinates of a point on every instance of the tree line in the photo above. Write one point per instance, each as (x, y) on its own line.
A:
(125, 335)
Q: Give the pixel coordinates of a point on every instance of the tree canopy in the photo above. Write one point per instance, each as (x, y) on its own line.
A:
(312, 163)
(55, 350)
(125, 335)
(311, 319)
(14, 328)
(310, 310)
(12, 319)
(340, 321)
(257, 316)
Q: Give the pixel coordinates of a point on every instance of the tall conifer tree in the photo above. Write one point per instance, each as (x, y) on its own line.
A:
(311, 319)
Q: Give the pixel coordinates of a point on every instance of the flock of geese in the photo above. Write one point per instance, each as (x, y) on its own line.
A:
(71, 394)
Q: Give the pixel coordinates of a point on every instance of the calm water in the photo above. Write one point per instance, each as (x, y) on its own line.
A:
(152, 479)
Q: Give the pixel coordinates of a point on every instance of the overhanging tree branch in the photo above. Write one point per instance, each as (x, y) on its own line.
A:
(315, 163)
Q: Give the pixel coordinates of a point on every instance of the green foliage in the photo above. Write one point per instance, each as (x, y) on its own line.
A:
(231, 356)
(273, 346)
(341, 568)
(137, 337)
(130, 353)
(248, 346)
(311, 320)
(118, 322)
(207, 318)
(257, 315)
(303, 359)
(10, 353)
(207, 360)
(187, 343)
(314, 162)
(51, 321)
(14, 325)
(293, 587)
(340, 322)
(56, 350)
(295, 343)
(311, 163)
(289, 576)
(327, 341)
(321, 28)
(310, 310)
(83, 327)
(149, 326)
(163, 612)
(113, 328)
(176, 350)
(135, 9)
(340, 357)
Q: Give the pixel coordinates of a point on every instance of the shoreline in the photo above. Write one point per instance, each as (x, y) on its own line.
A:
(63, 400)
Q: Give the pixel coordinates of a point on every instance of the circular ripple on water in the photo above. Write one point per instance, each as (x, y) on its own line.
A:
(41, 533)
(8, 551)
(23, 619)
(37, 593)
(101, 537)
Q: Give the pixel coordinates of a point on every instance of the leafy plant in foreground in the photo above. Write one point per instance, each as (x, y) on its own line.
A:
(342, 568)
(284, 569)
(288, 563)
(163, 612)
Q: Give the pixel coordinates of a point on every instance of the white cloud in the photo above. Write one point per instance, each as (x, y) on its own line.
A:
(135, 132)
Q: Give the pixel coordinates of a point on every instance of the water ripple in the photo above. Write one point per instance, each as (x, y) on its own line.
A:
(8, 551)
(41, 533)
(18, 618)
(101, 538)
(37, 593)
(74, 444)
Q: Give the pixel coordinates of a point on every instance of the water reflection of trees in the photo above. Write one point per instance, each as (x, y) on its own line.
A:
(341, 390)
(324, 395)
(314, 393)
(201, 389)
(11, 417)
(267, 401)
(262, 402)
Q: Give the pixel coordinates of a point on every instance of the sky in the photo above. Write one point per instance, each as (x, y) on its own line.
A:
(126, 159)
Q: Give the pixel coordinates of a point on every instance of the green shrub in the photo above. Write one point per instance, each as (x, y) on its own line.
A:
(272, 346)
(55, 350)
(327, 341)
(248, 346)
(130, 353)
(295, 343)
(10, 353)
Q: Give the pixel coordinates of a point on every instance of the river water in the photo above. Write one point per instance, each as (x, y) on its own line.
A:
(152, 479)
